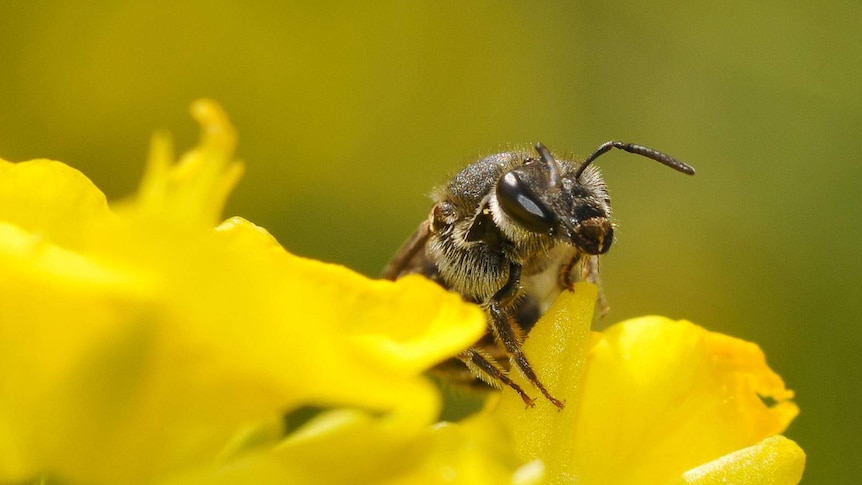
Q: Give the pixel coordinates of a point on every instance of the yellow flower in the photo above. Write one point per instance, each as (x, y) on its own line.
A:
(141, 342)
(144, 342)
(651, 401)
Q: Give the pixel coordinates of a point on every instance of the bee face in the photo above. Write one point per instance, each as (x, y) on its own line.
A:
(546, 197)
(507, 232)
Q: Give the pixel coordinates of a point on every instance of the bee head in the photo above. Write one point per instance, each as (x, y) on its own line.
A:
(557, 199)
(543, 197)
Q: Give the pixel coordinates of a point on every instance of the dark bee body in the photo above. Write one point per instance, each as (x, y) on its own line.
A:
(510, 232)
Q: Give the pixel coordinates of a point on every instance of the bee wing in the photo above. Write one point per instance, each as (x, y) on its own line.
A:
(404, 260)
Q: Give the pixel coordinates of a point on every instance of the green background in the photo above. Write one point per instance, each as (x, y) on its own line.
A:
(349, 114)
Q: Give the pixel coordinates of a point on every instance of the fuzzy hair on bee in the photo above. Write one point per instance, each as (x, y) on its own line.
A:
(510, 232)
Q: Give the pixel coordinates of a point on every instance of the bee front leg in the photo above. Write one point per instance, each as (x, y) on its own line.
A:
(589, 272)
(507, 331)
(567, 276)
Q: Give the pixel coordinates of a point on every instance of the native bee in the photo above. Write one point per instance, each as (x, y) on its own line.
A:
(510, 232)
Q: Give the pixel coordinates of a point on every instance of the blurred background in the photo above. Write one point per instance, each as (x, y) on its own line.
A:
(349, 113)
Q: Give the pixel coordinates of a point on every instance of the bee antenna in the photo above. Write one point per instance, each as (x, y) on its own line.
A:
(643, 151)
(553, 168)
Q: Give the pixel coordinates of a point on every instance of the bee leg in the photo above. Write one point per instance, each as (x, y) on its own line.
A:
(590, 273)
(489, 371)
(567, 277)
(508, 333)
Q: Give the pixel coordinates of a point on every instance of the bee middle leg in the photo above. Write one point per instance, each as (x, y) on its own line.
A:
(508, 333)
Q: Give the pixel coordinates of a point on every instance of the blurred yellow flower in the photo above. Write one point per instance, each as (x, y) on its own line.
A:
(137, 341)
(144, 342)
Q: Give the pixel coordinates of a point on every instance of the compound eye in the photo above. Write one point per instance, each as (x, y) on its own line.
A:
(522, 205)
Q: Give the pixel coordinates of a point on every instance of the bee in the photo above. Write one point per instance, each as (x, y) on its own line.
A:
(510, 232)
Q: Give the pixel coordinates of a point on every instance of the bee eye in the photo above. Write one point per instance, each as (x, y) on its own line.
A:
(521, 204)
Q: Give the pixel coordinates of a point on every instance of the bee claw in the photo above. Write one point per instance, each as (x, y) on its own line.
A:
(559, 404)
(528, 401)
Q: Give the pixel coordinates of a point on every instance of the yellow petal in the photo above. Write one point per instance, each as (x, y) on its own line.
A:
(351, 446)
(193, 190)
(56, 316)
(29, 199)
(774, 461)
(156, 355)
(663, 396)
(558, 347)
(474, 451)
(388, 331)
(645, 400)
